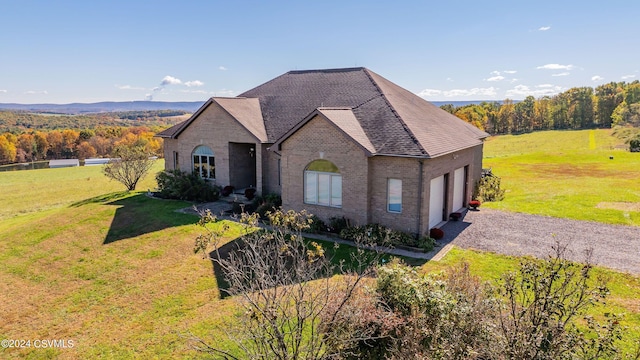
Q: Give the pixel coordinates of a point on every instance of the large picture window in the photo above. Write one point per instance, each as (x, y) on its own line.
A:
(394, 195)
(204, 162)
(322, 184)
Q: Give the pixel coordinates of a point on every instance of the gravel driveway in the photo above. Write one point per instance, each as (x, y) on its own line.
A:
(614, 246)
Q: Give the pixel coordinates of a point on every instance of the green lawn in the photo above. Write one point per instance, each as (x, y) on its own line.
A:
(28, 191)
(115, 272)
(567, 174)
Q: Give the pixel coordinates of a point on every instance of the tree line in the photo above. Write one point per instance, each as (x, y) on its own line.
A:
(69, 143)
(608, 105)
(20, 121)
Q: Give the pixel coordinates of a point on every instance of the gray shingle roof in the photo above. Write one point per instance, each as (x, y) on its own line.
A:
(393, 120)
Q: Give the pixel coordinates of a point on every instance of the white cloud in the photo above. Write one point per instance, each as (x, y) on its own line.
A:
(34, 92)
(625, 77)
(170, 80)
(561, 74)
(510, 71)
(194, 83)
(148, 97)
(495, 78)
(128, 87)
(544, 28)
(222, 68)
(490, 91)
(537, 91)
(495, 72)
(597, 78)
(556, 67)
(449, 79)
(3, 91)
(429, 92)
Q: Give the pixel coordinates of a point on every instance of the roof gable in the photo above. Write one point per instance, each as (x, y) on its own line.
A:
(246, 111)
(343, 119)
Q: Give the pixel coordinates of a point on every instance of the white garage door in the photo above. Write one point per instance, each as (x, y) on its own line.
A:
(436, 201)
(459, 179)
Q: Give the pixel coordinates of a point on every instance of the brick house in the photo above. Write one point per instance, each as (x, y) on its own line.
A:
(339, 142)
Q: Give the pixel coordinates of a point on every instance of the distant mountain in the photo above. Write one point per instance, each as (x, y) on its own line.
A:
(106, 106)
(114, 106)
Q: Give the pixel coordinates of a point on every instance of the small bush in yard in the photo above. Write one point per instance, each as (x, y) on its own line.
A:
(269, 202)
(381, 235)
(634, 145)
(337, 224)
(316, 225)
(180, 185)
(488, 189)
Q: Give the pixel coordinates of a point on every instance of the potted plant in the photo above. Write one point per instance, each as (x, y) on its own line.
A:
(250, 193)
(436, 233)
(227, 190)
(455, 216)
(474, 204)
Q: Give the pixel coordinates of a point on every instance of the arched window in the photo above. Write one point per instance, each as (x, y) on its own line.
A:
(322, 184)
(204, 162)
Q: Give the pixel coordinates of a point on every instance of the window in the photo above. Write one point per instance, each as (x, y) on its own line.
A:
(394, 195)
(204, 163)
(323, 184)
(176, 161)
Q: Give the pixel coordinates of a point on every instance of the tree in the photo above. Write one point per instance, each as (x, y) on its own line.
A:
(42, 145)
(543, 299)
(85, 150)
(130, 165)
(284, 285)
(7, 150)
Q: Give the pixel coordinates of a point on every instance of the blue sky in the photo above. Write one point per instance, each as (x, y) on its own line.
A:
(89, 51)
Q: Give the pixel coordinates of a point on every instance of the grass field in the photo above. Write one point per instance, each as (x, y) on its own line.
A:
(567, 174)
(28, 191)
(115, 272)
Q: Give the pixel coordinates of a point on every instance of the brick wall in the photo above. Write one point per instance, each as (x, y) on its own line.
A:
(383, 168)
(215, 128)
(364, 179)
(319, 139)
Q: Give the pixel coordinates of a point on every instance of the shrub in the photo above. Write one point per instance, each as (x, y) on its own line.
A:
(316, 225)
(269, 202)
(488, 188)
(180, 185)
(634, 145)
(337, 224)
(426, 243)
(380, 235)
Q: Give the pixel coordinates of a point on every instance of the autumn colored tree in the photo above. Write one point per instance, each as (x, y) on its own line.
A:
(27, 143)
(42, 145)
(85, 150)
(7, 150)
(56, 144)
